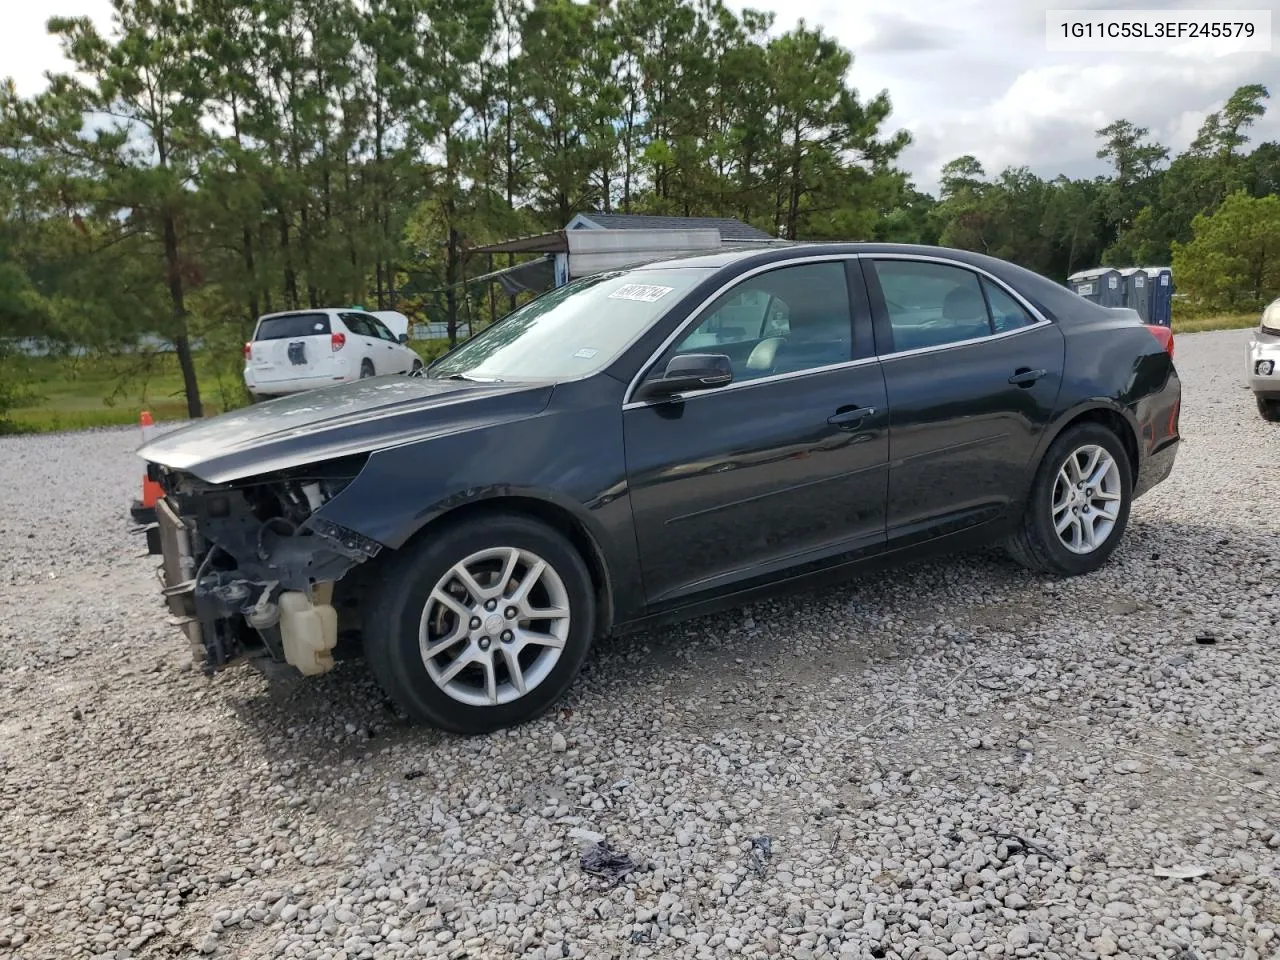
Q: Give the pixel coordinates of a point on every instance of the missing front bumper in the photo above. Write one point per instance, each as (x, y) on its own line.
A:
(301, 629)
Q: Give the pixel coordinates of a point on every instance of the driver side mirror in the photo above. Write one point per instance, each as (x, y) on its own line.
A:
(403, 338)
(692, 371)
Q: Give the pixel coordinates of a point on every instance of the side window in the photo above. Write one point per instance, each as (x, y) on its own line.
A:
(775, 320)
(1006, 314)
(734, 318)
(379, 328)
(358, 325)
(931, 304)
(784, 321)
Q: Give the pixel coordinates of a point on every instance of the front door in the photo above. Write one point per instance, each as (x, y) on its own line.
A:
(784, 466)
(972, 380)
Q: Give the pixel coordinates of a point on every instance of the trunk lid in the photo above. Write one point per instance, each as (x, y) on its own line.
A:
(291, 346)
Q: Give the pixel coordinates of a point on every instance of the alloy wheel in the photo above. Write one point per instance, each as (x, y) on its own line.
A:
(494, 626)
(1087, 498)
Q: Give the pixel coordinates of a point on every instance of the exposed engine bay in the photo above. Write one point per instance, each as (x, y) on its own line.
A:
(249, 569)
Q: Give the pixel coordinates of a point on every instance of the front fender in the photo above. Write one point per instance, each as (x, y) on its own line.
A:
(569, 458)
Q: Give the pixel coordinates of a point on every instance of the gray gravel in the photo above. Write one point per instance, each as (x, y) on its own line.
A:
(953, 760)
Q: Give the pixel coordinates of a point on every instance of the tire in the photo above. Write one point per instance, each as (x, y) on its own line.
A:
(366, 368)
(464, 703)
(1036, 543)
(1269, 409)
(416, 368)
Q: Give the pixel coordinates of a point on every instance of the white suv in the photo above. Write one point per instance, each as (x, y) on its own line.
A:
(304, 349)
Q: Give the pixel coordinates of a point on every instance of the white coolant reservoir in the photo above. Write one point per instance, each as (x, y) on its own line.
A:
(308, 630)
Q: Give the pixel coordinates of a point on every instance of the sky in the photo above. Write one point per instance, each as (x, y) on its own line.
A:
(964, 76)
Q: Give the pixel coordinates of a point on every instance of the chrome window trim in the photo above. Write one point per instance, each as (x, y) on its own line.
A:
(740, 384)
(696, 315)
(1038, 318)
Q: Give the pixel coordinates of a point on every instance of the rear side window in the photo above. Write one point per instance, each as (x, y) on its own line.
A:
(293, 325)
(1006, 314)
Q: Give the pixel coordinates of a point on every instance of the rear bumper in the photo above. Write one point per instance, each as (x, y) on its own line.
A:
(280, 388)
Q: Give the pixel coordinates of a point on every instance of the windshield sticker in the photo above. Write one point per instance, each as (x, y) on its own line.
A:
(644, 292)
(586, 353)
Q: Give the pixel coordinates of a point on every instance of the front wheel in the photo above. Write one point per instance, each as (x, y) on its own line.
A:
(482, 625)
(1078, 507)
(1270, 409)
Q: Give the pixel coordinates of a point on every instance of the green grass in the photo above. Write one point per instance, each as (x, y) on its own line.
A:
(79, 393)
(60, 393)
(1214, 321)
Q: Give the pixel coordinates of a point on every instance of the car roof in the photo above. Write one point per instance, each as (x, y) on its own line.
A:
(301, 311)
(1046, 295)
(781, 251)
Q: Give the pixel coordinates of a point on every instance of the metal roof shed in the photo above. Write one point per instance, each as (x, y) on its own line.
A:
(595, 242)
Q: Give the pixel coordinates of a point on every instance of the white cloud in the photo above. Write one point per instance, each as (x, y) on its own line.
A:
(27, 51)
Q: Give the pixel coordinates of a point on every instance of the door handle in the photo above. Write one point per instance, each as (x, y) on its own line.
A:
(846, 418)
(1025, 377)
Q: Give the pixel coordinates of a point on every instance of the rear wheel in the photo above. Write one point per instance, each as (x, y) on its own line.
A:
(482, 625)
(1079, 504)
(366, 368)
(1270, 409)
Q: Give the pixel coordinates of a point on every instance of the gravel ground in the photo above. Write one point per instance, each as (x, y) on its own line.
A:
(955, 759)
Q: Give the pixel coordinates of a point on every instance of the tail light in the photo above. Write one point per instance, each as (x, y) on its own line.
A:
(1164, 335)
(337, 341)
(248, 349)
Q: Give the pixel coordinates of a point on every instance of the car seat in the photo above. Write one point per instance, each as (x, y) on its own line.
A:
(765, 355)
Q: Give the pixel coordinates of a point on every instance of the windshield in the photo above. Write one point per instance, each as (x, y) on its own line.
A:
(573, 331)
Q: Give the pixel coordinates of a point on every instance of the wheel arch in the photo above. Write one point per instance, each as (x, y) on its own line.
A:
(1110, 415)
(558, 516)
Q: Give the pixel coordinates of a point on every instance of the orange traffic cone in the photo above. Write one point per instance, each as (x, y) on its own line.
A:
(151, 491)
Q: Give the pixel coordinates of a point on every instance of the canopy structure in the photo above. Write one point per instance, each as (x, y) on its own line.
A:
(594, 242)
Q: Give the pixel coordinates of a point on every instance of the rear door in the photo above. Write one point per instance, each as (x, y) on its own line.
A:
(291, 346)
(973, 378)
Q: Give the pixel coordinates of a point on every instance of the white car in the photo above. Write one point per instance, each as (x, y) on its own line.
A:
(1263, 373)
(304, 349)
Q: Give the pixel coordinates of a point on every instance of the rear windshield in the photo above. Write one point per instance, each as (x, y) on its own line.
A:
(293, 325)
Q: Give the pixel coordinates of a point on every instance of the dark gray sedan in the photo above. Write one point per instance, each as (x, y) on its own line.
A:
(654, 443)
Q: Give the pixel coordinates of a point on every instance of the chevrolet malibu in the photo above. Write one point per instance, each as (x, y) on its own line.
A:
(652, 443)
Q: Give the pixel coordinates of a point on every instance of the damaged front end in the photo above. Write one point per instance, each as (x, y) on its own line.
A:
(249, 569)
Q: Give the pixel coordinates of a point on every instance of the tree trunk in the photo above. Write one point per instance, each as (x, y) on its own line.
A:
(450, 291)
(290, 277)
(247, 244)
(181, 342)
(304, 235)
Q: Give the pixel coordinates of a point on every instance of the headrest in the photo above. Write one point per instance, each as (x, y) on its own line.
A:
(964, 303)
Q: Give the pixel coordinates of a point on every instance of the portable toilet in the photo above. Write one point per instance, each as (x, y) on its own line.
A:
(1160, 294)
(1137, 289)
(1103, 285)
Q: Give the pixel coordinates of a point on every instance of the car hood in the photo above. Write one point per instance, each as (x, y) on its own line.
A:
(342, 420)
